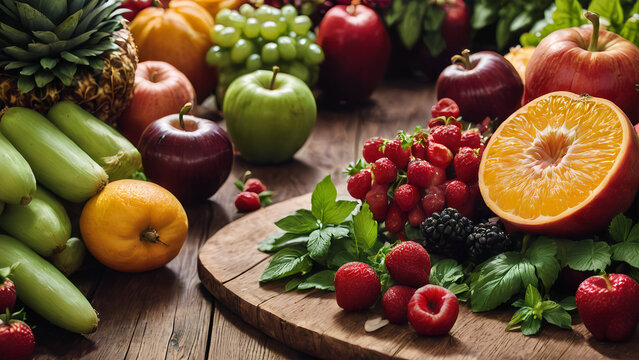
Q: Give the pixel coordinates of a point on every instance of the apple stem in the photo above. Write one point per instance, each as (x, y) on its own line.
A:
(153, 75)
(186, 108)
(149, 234)
(352, 7)
(276, 70)
(464, 58)
(594, 40)
(607, 280)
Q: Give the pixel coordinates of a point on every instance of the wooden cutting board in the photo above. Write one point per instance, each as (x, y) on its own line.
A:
(229, 266)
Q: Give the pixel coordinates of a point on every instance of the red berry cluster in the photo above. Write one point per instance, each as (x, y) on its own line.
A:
(412, 176)
(16, 337)
(253, 194)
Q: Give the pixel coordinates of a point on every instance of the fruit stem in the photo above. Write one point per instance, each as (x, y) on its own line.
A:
(464, 58)
(186, 108)
(276, 69)
(594, 40)
(352, 7)
(153, 75)
(607, 280)
(149, 234)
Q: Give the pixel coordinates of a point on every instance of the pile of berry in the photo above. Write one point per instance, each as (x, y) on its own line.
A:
(409, 178)
(253, 194)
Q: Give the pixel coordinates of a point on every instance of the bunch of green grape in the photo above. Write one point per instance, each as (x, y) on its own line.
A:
(252, 39)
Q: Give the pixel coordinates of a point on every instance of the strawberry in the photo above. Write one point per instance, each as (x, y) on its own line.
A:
(394, 151)
(607, 305)
(395, 218)
(356, 286)
(445, 107)
(359, 184)
(7, 294)
(254, 185)
(16, 339)
(457, 194)
(416, 216)
(395, 303)
(409, 264)
(439, 176)
(433, 310)
(448, 135)
(406, 197)
(377, 200)
(420, 173)
(470, 138)
(384, 171)
(434, 201)
(372, 149)
(466, 163)
(482, 147)
(439, 155)
(419, 150)
(247, 201)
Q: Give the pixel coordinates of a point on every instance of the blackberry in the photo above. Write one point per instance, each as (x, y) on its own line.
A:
(487, 240)
(445, 233)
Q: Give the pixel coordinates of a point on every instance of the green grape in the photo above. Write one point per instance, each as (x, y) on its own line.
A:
(282, 26)
(300, 71)
(215, 32)
(228, 75)
(227, 36)
(241, 50)
(301, 24)
(236, 20)
(259, 41)
(307, 8)
(286, 47)
(270, 30)
(266, 13)
(252, 27)
(275, 12)
(314, 55)
(311, 36)
(300, 46)
(247, 10)
(289, 12)
(222, 17)
(270, 53)
(216, 56)
(253, 62)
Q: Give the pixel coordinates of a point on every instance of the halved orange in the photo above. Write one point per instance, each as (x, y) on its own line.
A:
(563, 164)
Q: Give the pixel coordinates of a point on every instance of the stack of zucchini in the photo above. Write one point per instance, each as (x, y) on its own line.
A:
(73, 155)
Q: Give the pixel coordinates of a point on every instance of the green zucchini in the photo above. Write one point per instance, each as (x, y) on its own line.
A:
(117, 156)
(71, 258)
(43, 225)
(44, 289)
(57, 162)
(17, 182)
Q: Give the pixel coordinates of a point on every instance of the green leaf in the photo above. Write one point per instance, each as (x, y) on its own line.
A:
(435, 42)
(634, 234)
(364, 228)
(630, 29)
(395, 12)
(541, 254)
(519, 316)
(531, 325)
(521, 21)
(20, 54)
(324, 195)
(278, 241)
(568, 303)
(53, 10)
(485, 13)
(48, 63)
(302, 222)
(563, 248)
(627, 251)
(319, 241)
(532, 296)
(527, 273)
(338, 211)
(293, 283)
(25, 84)
(518, 303)
(498, 281)
(589, 255)
(503, 31)
(340, 258)
(433, 18)
(323, 280)
(559, 317)
(42, 78)
(446, 272)
(32, 18)
(65, 29)
(30, 69)
(568, 14)
(410, 26)
(286, 262)
(14, 35)
(609, 9)
(620, 227)
(458, 288)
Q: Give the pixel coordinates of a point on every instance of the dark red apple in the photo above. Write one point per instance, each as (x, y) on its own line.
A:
(356, 48)
(189, 156)
(482, 84)
(605, 65)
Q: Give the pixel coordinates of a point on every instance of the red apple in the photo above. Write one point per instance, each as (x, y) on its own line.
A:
(605, 65)
(160, 88)
(356, 48)
(189, 156)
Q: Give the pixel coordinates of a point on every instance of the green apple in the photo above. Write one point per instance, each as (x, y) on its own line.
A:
(269, 115)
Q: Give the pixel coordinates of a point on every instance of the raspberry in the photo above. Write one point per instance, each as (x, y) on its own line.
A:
(433, 310)
(377, 200)
(384, 171)
(420, 173)
(439, 155)
(395, 219)
(419, 150)
(470, 138)
(416, 216)
(356, 286)
(359, 184)
(247, 201)
(406, 197)
(445, 107)
(254, 185)
(395, 303)
(457, 194)
(409, 264)
(466, 163)
(394, 151)
(448, 135)
(434, 201)
(371, 150)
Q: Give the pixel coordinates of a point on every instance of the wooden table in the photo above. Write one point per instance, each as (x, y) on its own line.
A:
(167, 313)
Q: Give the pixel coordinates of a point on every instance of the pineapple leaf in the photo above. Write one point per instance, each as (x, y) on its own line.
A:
(39, 49)
(48, 63)
(78, 40)
(97, 39)
(11, 6)
(90, 6)
(19, 53)
(83, 53)
(65, 72)
(25, 84)
(6, 10)
(12, 65)
(119, 11)
(98, 14)
(73, 59)
(105, 14)
(15, 36)
(74, 5)
(109, 26)
(30, 70)
(32, 18)
(105, 45)
(46, 36)
(54, 10)
(96, 63)
(67, 27)
(43, 77)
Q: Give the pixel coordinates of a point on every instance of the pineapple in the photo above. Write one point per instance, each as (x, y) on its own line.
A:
(76, 50)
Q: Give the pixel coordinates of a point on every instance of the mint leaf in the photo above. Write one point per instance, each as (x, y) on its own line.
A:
(337, 212)
(286, 262)
(558, 316)
(527, 273)
(323, 280)
(340, 258)
(445, 272)
(485, 13)
(563, 249)
(458, 289)
(620, 227)
(278, 241)
(532, 296)
(364, 228)
(531, 325)
(410, 26)
(627, 251)
(302, 222)
(293, 283)
(519, 316)
(319, 241)
(568, 303)
(589, 255)
(518, 303)
(633, 235)
(541, 254)
(610, 10)
(324, 195)
(630, 29)
(568, 14)
(498, 281)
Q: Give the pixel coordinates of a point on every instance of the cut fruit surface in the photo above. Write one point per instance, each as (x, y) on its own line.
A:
(563, 164)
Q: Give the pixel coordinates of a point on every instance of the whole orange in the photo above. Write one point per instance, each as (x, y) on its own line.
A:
(133, 226)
